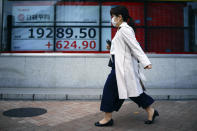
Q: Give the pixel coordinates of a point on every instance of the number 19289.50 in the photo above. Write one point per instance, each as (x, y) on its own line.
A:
(81, 33)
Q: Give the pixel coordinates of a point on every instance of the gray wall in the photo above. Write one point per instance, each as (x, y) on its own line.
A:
(90, 70)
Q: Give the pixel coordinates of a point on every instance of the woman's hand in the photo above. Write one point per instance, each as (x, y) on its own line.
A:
(108, 47)
(148, 67)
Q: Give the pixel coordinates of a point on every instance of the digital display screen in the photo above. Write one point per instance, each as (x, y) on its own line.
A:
(76, 27)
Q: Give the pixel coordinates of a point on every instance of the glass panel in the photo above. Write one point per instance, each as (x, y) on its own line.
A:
(165, 14)
(166, 40)
(140, 37)
(77, 39)
(77, 15)
(136, 11)
(32, 38)
(106, 18)
(29, 25)
(106, 35)
(78, 29)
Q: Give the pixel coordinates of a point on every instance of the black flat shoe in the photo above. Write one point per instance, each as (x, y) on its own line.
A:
(109, 123)
(153, 118)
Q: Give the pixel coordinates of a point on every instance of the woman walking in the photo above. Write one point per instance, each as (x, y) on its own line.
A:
(124, 81)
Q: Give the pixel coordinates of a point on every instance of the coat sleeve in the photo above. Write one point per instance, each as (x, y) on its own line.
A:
(129, 38)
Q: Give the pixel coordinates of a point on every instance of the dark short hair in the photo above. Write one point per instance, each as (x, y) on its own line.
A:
(122, 10)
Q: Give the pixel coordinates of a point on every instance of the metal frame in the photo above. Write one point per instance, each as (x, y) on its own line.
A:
(1, 23)
(100, 25)
(191, 28)
(54, 27)
(146, 27)
(93, 55)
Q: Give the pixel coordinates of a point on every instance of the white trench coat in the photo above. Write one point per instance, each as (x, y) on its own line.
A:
(127, 51)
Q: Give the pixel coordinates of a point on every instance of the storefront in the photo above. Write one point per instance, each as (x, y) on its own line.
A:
(60, 43)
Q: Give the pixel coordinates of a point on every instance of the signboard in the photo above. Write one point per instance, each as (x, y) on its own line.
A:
(30, 31)
(76, 27)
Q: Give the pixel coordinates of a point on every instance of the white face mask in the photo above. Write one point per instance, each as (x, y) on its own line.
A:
(113, 22)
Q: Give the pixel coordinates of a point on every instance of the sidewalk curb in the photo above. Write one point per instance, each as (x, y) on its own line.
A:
(87, 94)
(84, 97)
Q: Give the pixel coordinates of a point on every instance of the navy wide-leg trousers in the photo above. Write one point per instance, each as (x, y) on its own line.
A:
(110, 100)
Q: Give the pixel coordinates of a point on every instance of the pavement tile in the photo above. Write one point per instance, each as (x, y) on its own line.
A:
(79, 115)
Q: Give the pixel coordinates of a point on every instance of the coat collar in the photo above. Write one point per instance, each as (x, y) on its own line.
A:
(123, 24)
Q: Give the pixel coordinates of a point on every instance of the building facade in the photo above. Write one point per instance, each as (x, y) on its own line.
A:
(62, 44)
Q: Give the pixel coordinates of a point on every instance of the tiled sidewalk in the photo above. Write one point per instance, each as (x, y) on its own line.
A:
(81, 115)
(57, 111)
